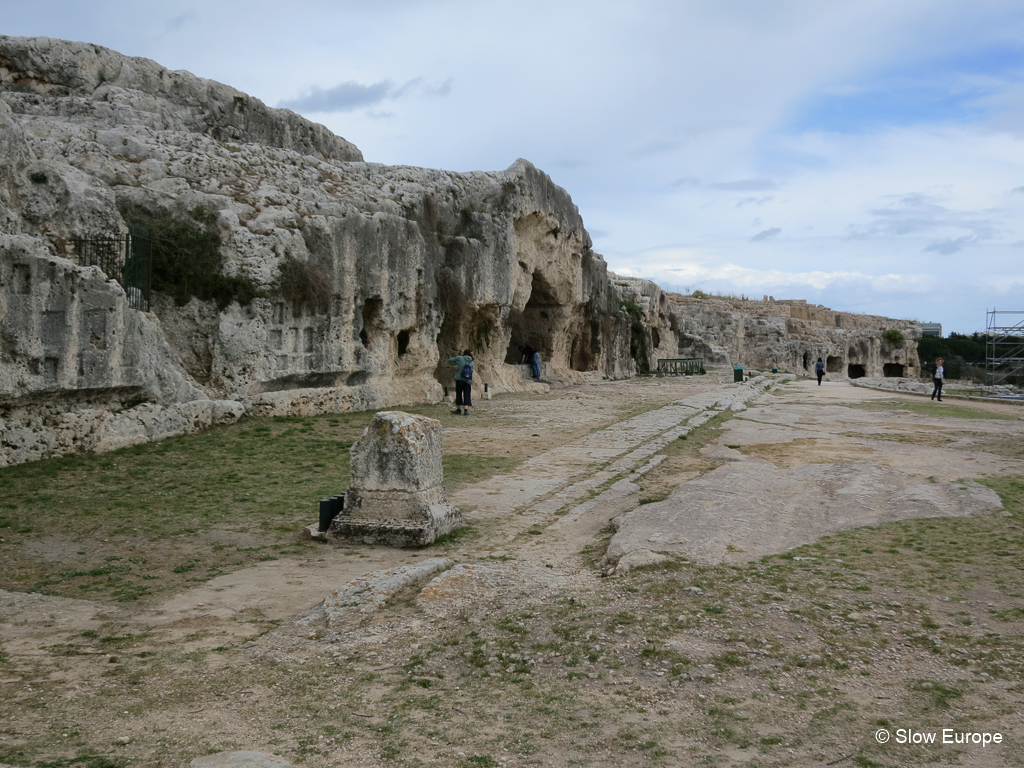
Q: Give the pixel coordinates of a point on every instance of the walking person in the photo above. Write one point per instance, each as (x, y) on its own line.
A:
(463, 381)
(940, 374)
(819, 368)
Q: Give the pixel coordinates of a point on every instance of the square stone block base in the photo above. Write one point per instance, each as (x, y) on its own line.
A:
(442, 519)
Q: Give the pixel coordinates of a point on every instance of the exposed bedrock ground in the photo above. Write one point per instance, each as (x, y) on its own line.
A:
(353, 282)
(804, 464)
(514, 640)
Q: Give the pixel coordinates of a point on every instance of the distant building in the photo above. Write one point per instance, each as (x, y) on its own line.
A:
(931, 329)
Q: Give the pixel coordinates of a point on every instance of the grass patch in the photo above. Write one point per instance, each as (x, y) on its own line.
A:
(462, 469)
(152, 517)
(929, 408)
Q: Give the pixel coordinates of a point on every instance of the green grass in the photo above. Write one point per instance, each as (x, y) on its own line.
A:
(929, 408)
(172, 511)
(462, 469)
(1011, 490)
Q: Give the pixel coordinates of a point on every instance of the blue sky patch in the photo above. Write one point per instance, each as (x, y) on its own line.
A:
(943, 90)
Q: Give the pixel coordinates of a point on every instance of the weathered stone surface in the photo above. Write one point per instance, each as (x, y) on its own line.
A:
(749, 507)
(240, 759)
(369, 592)
(65, 72)
(822, 477)
(415, 264)
(500, 584)
(638, 558)
(789, 335)
(397, 496)
(79, 369)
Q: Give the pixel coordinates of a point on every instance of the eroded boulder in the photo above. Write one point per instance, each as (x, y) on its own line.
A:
(397, 495)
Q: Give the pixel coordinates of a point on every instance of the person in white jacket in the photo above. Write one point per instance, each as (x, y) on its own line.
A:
(940, 374)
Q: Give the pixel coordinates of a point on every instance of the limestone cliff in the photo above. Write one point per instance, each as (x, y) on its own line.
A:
(790, 335)
(361, 279)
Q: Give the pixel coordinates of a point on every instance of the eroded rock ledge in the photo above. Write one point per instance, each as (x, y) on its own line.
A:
(409, 266)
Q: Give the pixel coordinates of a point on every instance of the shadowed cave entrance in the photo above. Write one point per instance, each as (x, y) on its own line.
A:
(585, 347)
(892, 370)
(855, 371)
(536, 324)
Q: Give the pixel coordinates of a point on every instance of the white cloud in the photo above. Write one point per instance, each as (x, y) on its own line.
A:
(671, 124)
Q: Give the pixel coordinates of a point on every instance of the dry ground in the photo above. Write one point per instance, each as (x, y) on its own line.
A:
(153, 595)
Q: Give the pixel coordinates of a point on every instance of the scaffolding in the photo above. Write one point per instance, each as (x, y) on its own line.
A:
(1004, 347)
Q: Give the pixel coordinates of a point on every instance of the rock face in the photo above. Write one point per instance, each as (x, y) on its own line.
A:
(79, 369)
(97, 85)
(789, 335)
(397, 495)
(360, 279)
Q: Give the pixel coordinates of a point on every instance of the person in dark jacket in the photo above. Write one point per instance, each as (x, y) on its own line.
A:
(940, 374)
(463, 381)
(819, 368)
(532, 357)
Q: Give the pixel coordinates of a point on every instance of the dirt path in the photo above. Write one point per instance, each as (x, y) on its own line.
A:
(521, 641)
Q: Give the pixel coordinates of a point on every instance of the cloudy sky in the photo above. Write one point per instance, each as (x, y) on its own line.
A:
(865, 155)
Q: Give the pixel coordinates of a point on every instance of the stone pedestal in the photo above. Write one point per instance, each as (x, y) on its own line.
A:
(397, 494)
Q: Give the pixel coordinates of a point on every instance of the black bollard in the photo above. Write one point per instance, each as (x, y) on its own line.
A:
(329, 509)
(325, 514)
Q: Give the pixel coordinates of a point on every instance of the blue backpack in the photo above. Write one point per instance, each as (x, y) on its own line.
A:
(467, 372)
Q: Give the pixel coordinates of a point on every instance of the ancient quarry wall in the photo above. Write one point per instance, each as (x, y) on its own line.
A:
(789, 335)
(360, 280)
(79, 369)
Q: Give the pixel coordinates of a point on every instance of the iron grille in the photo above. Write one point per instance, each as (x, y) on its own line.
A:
(126, 258)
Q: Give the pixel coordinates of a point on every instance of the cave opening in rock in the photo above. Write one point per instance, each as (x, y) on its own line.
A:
(833, 364)
(403, 342)
(807, 361)
(373, 320)
(855, 371)
(892, 370)
(535, 325)
(581, 352)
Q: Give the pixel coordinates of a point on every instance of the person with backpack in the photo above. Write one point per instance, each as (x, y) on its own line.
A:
(819, 368)
(463, 381)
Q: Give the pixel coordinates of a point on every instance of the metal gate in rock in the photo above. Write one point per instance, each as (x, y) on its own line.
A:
(127, 258)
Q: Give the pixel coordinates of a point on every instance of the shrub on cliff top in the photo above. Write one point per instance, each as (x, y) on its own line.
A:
(187, 260)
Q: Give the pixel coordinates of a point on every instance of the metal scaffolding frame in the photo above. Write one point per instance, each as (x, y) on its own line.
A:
(1004, 346)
